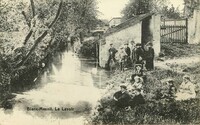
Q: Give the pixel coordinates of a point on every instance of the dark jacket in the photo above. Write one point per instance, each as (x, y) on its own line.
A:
(139, 53)
(149, 54)
(137, 100)
(112, 52)
(128, 51)
(123, 99)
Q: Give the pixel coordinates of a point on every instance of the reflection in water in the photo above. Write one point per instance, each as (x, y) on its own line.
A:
(71, 88)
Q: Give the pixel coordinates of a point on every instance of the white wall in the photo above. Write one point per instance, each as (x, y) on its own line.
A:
(194, 28)
(118, 39)
(155, 30)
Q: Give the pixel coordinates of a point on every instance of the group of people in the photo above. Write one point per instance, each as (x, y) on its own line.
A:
(131, 94)
(131, 56)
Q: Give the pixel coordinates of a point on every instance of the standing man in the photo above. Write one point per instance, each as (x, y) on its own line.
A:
(122, 55)
(149, 57)
(128, 58)
(112, 51)
(127, 50)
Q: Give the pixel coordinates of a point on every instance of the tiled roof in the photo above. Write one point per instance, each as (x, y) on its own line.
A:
(130, 22)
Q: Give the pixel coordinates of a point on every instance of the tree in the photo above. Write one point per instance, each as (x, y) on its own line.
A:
(77, 18)
(82, 17)
(42, 36)
(170, 12)
(190, 6)
(136, 7)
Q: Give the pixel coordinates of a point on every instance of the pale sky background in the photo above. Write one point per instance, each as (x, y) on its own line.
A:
(112, 8)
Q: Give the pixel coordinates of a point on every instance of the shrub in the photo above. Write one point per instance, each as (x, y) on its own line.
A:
(88, 48)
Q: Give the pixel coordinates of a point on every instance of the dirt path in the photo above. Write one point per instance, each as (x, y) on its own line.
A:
(178, 63)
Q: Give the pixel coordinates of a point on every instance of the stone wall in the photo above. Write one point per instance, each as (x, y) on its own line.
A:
(155, 30)
(194, 28)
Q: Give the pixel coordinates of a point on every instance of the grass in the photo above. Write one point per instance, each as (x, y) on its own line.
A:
(156, 110)
(179, 50)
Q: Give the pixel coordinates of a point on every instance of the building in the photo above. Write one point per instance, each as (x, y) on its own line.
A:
(115, 21)
(141, 28)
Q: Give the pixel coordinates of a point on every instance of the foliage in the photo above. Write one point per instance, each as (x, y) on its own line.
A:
(88, 48)
(190, 6)
(170, 12)
(136, 7)
(152, 112)
(77, 19)
(10, 16)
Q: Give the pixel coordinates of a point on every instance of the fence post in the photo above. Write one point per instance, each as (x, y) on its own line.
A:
(186, 30)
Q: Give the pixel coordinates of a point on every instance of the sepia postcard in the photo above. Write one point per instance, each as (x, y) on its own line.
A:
(99, 62)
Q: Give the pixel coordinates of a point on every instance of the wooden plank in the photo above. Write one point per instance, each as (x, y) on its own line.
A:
(173, 32)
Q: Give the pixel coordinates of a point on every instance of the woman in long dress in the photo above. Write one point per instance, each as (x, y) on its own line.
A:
(186, 90)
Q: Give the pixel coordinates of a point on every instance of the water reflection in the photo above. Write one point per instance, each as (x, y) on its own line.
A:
(73, 86)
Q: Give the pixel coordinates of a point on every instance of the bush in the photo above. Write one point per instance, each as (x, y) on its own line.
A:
(88, 48)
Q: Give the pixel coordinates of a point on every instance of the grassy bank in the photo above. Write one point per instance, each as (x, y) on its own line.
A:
(179, 50)
(156, 110)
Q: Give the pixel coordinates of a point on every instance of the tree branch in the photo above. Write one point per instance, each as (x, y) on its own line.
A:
(28, 36)
(28, 23)
(32, 8)
(57, 14)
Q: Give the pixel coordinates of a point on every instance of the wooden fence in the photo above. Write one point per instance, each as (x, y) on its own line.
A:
(174, 31)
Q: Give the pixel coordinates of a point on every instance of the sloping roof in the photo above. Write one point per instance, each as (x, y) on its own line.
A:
(115, 18)
(130, 22)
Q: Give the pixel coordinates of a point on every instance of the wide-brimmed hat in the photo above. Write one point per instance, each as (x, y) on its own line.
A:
(123, 86)
(150, 44)
(125, 43)
(132, 41)
(186, 77)
(138, 44)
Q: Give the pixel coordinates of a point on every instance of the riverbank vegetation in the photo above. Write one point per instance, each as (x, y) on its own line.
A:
(34, 34)
(158, 108)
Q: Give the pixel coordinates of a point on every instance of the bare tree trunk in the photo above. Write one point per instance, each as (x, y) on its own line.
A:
(28, 23)
(32, 8)
(31, 30)
(28, 36)
(41, 37)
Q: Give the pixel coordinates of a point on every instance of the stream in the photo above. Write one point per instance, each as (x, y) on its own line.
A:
(66, 96)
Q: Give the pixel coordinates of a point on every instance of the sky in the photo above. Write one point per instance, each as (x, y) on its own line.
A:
(113, 8)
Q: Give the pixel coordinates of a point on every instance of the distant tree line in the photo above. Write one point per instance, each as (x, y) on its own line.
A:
(137, 7)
